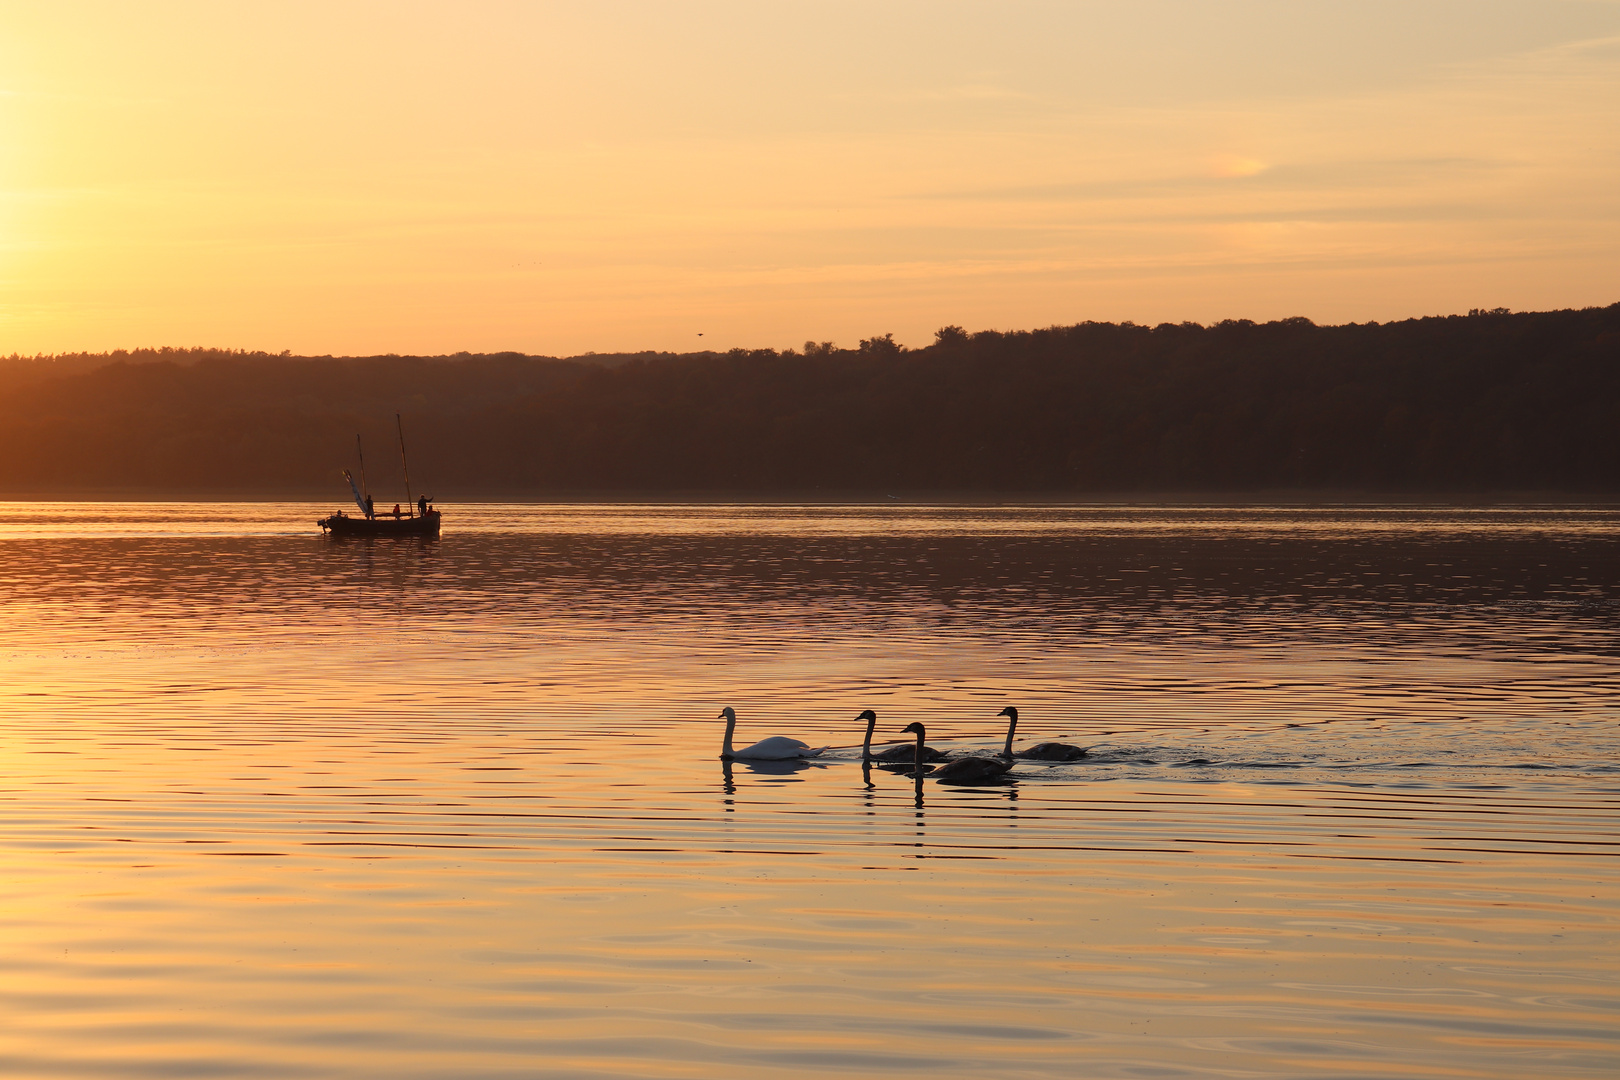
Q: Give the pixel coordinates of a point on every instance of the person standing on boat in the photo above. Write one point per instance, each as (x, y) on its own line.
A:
(371, 511)
(396, 510)
(421, 505)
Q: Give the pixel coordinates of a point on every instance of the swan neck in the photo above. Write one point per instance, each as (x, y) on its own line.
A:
(866, 747)
(731, 726)
(919, 757)
(1012, 725)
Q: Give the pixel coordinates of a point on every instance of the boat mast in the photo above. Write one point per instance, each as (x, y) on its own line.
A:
(364, 486)
(408, 500)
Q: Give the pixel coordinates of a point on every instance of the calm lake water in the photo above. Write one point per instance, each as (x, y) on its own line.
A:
(281, 806)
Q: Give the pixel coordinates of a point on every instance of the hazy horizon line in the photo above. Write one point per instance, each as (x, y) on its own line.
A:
(1188, 324)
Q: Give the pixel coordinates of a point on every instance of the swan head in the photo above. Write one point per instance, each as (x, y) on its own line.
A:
(1009, 712)
(869, 716)
(727, 713)
(915, 729)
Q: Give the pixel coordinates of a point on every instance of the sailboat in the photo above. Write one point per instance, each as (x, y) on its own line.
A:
(418, 518)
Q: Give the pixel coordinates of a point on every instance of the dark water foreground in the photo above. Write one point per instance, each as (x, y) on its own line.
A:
(274, 806)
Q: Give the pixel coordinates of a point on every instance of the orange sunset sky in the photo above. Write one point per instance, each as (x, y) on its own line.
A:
(352, 177)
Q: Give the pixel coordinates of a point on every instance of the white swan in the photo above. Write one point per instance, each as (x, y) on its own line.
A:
(775, 748)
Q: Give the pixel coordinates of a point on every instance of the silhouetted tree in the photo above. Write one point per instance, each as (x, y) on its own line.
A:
(880, 346)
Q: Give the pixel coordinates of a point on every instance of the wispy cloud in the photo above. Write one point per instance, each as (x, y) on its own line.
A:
(969, 92)
(1248, 174)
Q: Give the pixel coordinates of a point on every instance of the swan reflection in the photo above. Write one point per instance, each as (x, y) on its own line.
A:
(781, 768)
(784, 767)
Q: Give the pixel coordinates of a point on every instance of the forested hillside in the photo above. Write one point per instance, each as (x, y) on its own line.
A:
(1489, 401)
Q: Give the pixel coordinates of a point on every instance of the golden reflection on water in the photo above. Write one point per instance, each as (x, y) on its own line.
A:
(278, 806)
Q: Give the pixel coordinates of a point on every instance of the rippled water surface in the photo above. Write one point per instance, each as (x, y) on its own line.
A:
(281, 806)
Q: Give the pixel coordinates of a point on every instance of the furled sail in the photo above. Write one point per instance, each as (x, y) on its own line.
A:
(359, 500)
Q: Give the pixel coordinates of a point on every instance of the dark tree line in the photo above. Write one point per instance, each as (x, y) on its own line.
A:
(1489, 401)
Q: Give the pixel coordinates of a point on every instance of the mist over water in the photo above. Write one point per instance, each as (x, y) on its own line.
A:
(276, 805)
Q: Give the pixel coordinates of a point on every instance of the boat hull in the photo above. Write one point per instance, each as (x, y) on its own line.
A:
(343, 525)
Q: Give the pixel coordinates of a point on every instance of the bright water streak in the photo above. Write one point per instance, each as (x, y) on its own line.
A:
(286, 807)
